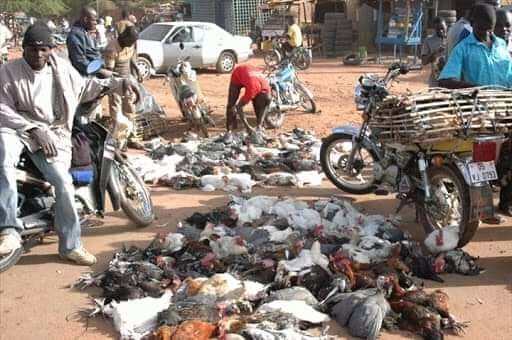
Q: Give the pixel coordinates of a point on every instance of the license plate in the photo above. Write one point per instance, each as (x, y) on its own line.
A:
(482, 171)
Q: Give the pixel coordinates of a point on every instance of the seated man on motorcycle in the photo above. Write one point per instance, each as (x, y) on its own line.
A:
(293, 35)
(481, 59)
(120, 58)
(39, 95)
(257, 90)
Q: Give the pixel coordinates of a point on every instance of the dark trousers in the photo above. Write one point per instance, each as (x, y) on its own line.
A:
(260, 105)
(504, 167)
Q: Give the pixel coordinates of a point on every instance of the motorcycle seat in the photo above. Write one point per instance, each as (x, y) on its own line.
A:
(186, 92)
(82, 176)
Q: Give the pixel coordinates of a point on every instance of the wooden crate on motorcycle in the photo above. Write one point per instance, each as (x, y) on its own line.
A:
(439, 114)
(149, 124)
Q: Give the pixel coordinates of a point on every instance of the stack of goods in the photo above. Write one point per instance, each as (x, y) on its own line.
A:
(236, 163)
(337, 35)
(441, 114)
(269, 268)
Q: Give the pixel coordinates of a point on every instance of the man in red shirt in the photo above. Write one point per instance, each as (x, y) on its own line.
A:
(257, 90)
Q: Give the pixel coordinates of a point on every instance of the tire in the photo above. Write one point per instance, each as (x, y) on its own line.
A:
(307, 102)
(226, 62)
(272, 58)
(144, 66)
(360, 168)
(132, 191)
(10, 260)
(302, 60)
(274, 117)
(452, 181)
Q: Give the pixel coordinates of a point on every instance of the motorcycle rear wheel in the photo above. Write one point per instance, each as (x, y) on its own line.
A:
(7, 261)
(447, 184)
(334, 154)
(135, 198)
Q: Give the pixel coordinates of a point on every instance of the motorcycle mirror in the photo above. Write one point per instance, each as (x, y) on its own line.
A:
(404, 68)
(182, 46)
(94, 66)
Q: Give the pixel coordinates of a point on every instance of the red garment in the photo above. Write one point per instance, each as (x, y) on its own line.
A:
(251, 79)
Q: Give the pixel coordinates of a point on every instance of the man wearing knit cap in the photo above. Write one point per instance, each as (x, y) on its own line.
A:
(39, 94)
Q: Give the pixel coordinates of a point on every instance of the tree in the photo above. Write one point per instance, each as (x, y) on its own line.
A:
(36, 8)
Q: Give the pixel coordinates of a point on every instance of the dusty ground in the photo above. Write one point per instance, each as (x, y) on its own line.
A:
(35, 302)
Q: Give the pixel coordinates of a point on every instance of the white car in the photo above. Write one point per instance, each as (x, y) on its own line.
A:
(158, 47)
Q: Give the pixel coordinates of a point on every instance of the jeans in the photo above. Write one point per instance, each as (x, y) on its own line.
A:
(56, 172)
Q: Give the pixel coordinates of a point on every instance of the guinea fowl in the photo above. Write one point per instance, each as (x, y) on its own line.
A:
(367, 317)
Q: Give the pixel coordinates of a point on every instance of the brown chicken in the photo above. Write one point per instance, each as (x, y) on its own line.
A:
(339, 262)
(418, 319)
(194, 330)
(437, 301)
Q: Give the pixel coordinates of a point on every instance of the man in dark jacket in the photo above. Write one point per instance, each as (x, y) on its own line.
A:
(81, 45)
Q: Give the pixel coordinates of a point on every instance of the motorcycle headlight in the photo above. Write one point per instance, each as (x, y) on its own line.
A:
(360, 98)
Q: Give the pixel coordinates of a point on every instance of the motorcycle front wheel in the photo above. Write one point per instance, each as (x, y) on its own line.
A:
(135, 198)
(307, 103)
(272, 58)
(450, 203)
(355, 176)
(302, 59)
(274, 118)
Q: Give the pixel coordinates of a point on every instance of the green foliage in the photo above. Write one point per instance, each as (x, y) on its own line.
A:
(36, 8)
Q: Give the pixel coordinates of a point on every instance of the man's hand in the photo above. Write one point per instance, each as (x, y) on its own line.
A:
(105, 73)
(43, 139)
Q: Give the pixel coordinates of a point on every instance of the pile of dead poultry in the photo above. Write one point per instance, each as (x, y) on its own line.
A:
(276, 268)
(233, 163)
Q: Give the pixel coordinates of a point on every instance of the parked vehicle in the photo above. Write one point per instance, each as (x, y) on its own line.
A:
(445, 180)
(301, 57)
(185, 90)
(110, 172)
(288, 93)
(206, 43)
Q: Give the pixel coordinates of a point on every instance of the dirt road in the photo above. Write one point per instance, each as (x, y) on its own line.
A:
(35, 302)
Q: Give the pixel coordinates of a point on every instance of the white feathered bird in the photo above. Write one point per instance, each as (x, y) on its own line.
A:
(444, 239)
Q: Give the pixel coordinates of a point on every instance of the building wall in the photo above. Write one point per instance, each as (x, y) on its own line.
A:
(202, 10)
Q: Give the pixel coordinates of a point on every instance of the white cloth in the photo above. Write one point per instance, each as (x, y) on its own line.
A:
(101, 35)
(44, 93)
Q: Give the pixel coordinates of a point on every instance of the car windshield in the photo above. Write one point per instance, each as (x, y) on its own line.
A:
(155, 32)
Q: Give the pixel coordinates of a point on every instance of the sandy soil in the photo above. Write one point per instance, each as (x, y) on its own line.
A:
(35, 302)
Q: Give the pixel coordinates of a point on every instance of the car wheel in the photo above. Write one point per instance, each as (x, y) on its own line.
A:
(144, 66)
(226, 63)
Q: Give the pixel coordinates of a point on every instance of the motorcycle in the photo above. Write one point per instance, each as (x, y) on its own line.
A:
(109, 172)
(444, 180)
(301, 57)
(288, 93)
(182, 80)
